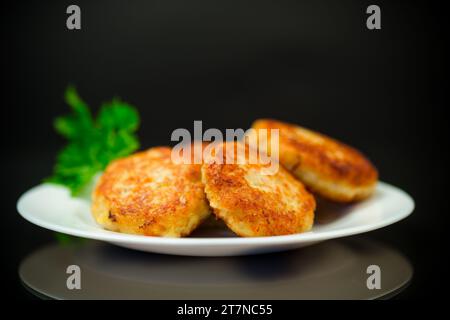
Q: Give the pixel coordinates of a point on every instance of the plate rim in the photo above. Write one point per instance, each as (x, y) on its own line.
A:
(117, 237)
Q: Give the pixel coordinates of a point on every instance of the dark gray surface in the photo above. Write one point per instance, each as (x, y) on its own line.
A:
(330, 270)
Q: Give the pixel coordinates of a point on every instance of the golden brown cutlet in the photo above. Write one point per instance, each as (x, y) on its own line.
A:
(146, 193)
(326, 166)
(255, 204)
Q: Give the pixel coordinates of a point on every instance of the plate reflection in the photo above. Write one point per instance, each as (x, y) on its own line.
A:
(330, 270)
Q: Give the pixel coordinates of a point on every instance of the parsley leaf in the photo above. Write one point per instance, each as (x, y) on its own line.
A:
(92, 143)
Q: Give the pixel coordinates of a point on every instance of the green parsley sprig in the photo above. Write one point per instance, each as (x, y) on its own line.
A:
(92, 143)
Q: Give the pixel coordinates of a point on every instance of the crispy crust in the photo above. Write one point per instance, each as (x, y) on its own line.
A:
(253, 204)
(148, 194)
(326, 166)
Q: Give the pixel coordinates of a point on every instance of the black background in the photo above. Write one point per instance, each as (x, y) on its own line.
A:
(227, 63)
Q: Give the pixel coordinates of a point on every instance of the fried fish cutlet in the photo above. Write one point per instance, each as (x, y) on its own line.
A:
(146, 193)
(253, 204)
(326, 166)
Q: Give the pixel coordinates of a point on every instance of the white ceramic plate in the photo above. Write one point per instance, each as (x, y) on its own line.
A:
(52, 207)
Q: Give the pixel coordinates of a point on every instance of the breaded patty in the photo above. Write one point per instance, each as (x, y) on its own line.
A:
(146, 193)
(255, 204)
(326, 166)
